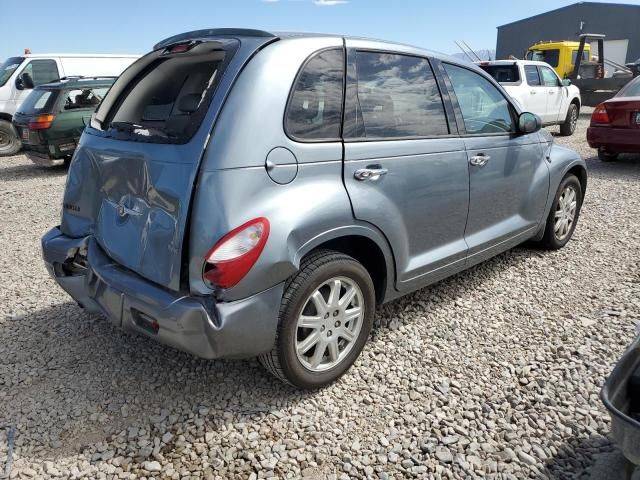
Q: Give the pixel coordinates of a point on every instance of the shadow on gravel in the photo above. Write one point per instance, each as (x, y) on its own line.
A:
(576, 459)
(24, 172)
(71, 379)
(626, 167)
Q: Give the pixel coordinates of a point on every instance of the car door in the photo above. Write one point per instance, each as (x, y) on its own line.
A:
(536, 93)
(508, 175)
(405, 167)
(553, 88)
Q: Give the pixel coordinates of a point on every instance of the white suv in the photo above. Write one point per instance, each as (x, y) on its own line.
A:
(536, 88)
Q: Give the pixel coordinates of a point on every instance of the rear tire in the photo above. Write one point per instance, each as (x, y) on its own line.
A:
(571, 121)
(564, 214)
(9, 142)
(334, 295)
(605, 156)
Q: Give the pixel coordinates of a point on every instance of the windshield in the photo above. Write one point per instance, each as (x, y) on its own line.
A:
(8, 67)
(632, 89)
(552, 57)
(39, 101)
(503, 73)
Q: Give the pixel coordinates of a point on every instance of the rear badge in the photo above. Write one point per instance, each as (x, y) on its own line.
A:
(69, 206)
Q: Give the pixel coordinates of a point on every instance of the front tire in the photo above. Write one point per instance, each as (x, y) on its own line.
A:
(570, 122)
(9, 142)
(325, 319)
(564, 214)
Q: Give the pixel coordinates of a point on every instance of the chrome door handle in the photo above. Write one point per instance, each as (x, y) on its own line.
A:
(479, 160)
(551, 92)
(373, 174)
(532, 92)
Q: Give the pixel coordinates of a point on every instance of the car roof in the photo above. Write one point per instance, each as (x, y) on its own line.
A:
(512, 62)
(79, 82)
(362, 41)
(78, 55)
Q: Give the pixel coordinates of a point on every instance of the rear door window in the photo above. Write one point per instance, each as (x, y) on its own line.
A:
(314, 111)
(533, 78)
(168, 100)
(84, 98)
(398, 97)
(484, 109)
(42, 71)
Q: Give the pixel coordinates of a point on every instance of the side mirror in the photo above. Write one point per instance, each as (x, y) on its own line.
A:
(19, 84)
(566, 82)
(529, 122)
(27, 81)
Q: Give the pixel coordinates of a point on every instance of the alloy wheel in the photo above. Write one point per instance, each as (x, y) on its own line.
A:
(565, 212)
(329, 324)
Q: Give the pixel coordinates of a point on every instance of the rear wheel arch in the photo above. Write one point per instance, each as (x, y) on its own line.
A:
(361, 245)
(6, 116)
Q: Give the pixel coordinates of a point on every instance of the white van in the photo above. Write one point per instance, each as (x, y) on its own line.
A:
(18, 75)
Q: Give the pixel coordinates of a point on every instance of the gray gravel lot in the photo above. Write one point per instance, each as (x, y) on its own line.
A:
(494, 373)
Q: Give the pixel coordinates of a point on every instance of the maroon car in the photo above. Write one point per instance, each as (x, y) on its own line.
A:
(615, 124)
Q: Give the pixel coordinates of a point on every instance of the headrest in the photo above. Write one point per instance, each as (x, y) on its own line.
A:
(189, 103)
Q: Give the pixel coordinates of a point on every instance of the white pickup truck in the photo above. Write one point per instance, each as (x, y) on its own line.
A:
(537, 89)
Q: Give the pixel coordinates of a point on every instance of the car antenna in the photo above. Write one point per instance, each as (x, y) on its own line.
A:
(463, 51)
(471, 49)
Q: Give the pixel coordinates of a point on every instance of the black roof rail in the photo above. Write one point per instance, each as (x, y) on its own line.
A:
(213, 32)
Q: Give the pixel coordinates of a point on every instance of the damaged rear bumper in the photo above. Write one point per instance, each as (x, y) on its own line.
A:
(198, 325)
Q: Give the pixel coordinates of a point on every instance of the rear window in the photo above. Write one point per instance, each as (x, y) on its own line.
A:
(574, 56)
(632, 89)
(168, 100)
(83, 98)
(503, 73)
(315, 109)
(39, 101)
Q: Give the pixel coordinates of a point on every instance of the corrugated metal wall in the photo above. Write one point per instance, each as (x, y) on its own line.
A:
(616, 21)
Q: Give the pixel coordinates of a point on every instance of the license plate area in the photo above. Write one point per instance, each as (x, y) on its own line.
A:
(636, 118)
(26, 134)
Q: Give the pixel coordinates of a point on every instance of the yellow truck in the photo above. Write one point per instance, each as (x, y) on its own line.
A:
(560, 55)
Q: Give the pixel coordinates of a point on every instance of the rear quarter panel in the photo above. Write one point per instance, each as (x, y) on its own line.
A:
(234, 186)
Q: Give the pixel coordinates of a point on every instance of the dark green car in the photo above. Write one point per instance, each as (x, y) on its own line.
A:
(53, 116)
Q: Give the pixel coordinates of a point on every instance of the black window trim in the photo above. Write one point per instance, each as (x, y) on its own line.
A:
(312, 56)
(431, 64)
(459, 117)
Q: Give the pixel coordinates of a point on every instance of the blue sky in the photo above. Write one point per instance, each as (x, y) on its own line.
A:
(133, 26)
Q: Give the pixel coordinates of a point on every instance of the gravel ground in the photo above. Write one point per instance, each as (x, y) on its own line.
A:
(494, 373)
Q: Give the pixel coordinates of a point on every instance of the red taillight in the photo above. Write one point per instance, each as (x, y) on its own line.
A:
(233, 256)
(42, 122)
(600, 114)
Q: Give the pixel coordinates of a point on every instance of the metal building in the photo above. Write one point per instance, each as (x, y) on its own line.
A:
(619, 22)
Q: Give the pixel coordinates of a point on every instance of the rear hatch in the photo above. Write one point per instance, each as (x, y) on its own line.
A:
(35, 114)
(131, 179)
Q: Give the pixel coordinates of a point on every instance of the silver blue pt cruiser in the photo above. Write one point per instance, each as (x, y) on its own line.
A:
(241, 193)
